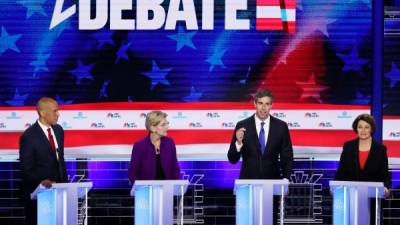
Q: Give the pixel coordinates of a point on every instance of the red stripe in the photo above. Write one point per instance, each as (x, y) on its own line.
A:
(76, 138)
(190, 106)
(393, 148)
(268, 3)
(391, 117)
(291, 26)
(312, 138)
(288, 4)
(269, 24)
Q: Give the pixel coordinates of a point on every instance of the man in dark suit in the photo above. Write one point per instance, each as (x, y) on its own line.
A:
(263, 142)
(41, 155)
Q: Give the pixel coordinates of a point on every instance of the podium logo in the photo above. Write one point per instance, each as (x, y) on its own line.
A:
(344, 115)
(279, 115)
(394, 134)
(113, 115)
(152, 15)
(80, 115)
(13, 115)
(3, 125)
(325, 124)
(179, 115)
(228, 124)
(195, 124)
(311, 115)
(65, 125)
(293, 124)
(130, 125)
(213, 115)
(97, 125)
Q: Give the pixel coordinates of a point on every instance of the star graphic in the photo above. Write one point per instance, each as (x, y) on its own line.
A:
(8, 41)
(215, 59)
(103, 91)
(82, 72)
(360, 99)
(243, 81)
(40, 63)
(311, 89)
(157, 75)
(18, 100)
(352, 61)
(266, 41)
(103, 37)
(33, 7)
(193, 96)
(121, 53)
(183, 39)
(60, 101)
(393, 75)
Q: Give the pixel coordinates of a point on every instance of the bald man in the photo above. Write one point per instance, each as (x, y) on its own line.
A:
(41, 153)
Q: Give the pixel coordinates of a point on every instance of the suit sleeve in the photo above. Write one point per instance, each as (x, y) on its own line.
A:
(233, 154)
(385, 170)
(134, 164)
(27, 159)
(62, 162)
(341, 171)
(286, 154)
(177, 170)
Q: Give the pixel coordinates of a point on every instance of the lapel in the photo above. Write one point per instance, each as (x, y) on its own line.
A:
(43, 139)
(356, 158)
(270, 134)
(254, 135)
(371, 155)
(57, 136)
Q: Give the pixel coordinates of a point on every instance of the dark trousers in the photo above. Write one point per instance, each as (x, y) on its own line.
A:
(30, 207)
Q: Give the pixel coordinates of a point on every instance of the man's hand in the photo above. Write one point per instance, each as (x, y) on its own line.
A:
(240, 135)
(387, 193)
(47, 183)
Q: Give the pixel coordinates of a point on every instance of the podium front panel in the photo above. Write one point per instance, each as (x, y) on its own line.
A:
(143, 205)
(47, 207)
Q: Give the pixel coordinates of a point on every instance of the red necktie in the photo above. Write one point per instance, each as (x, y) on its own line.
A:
(51, 140)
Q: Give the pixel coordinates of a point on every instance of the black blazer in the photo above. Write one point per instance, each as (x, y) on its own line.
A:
(266, 166)
(375, 168)
(38, 161)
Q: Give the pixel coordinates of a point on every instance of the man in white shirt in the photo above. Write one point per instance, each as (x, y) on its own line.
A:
(41, 153)
(263, 142)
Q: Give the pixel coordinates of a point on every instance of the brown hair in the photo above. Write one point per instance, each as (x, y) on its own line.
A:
(367, 118)
(263, 93)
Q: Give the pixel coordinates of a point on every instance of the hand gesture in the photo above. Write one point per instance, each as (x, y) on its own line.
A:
(240, 135)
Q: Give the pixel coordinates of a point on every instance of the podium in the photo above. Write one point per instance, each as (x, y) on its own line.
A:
(254, 200)
(351, 201)
(154, 200)
(58, 205)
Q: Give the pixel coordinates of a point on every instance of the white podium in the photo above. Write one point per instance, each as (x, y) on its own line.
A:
(254, 200)
(154, 200)
(351, 201)
(58, 205)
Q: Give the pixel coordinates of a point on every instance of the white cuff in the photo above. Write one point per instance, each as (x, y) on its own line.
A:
(238, 147)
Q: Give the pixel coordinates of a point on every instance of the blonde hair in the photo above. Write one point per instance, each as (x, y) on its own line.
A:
(154, 118)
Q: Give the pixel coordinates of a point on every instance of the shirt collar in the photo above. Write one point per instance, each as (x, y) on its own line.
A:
(258, 121)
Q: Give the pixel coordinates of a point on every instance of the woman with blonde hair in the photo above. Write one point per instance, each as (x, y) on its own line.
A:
(154, 156)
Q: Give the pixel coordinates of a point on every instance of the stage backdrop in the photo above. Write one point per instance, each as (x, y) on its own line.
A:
(153, 53)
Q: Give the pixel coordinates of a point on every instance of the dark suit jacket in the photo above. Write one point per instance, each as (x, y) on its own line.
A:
(375, 168)
(38, 161)
(143, 160)
(266, 166)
